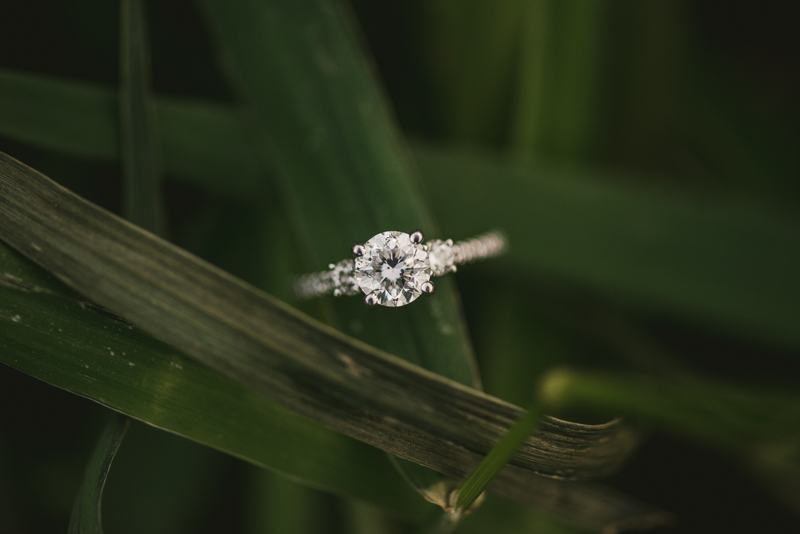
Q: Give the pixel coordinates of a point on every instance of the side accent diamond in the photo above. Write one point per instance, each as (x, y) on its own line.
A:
(342, 279)
(442, 256)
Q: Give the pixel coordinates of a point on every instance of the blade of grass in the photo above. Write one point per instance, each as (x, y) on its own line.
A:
(526, 129)
(68, 343)
(467, 494)
(339, 167)
(161, 483)
(472, 58)
(498, 457)
(575, 69)
(141, 169)
(645, 249)
(73, 117)
(714, 412)
(759, 425)
(308, 367)
(508, 328)
(86, 517)
(203, 141)
(141, 204)
(724, 262)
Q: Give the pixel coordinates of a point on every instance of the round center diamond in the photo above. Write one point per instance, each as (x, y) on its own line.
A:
(393, 268)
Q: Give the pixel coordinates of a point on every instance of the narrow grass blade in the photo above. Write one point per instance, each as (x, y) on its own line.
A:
(141, 166)
(658, 249)
(205, 143)
(201, 141)
(576, 68)
(52, 333)
(713, 412)
(340, 168)
(561, 46)
(161, 483)
(68, 116)
(86, 516)
(272, 349)
(472, 50)
(664, 251)
(478, 480)
(526, 128)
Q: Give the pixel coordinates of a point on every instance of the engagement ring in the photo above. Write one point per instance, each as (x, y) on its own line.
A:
(394, 268)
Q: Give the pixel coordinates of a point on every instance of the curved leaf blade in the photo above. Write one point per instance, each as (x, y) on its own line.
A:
(498, 457)
(69, 345)
(714, 412)
(201, 139)
(340, 168)
(249, 336)
(86, 516)
(79, 347)
(725, 262)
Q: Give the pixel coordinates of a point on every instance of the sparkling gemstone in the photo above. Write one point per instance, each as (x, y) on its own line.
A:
(441, 256)
(393, 267)
(341, 276)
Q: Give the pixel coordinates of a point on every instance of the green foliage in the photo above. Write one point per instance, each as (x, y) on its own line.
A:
(86, 514)
(641, 161)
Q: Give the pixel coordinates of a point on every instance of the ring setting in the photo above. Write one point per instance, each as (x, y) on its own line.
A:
(394, 268)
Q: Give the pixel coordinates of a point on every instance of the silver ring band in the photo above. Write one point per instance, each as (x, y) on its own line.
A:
(394, 268)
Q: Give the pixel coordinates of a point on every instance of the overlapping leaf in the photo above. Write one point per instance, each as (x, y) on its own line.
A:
(86, 517)
(638, 241)
(303, 365)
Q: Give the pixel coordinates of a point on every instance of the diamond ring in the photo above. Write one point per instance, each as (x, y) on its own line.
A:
(394, 268)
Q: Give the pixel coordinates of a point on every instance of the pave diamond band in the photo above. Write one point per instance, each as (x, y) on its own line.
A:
(394, 268)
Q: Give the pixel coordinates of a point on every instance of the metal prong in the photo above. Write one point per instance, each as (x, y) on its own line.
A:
(359, 250)
(371, 299)
(427, 287)
(416, 237)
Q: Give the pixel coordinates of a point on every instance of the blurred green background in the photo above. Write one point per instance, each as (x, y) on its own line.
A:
(645, 152)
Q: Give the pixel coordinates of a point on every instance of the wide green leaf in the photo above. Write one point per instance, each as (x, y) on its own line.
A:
(340, 168)
(202, 141)
(275, 351)
(726, 263)
(54, 334)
